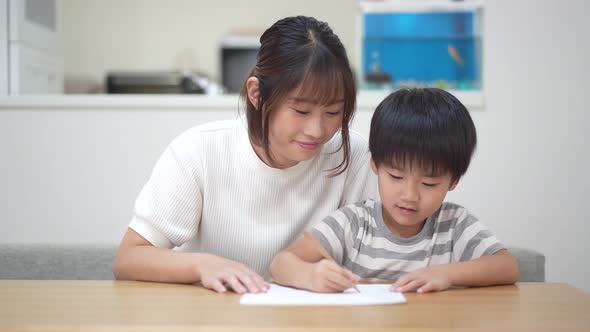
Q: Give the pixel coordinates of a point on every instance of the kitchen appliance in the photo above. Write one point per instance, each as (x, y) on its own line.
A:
(238, 57)
(154, 82)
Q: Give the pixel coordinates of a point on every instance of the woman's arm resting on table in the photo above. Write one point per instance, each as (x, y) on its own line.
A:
(138, 259)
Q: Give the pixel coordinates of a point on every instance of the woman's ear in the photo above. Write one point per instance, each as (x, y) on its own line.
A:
(253, 87)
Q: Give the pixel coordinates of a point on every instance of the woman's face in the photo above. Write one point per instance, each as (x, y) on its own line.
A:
(299, 127)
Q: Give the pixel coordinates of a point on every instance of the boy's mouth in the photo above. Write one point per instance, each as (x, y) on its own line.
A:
(406, 210)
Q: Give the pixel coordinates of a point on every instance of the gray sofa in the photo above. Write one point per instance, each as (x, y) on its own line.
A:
(59, 262)
(94, 262)
(531, 264)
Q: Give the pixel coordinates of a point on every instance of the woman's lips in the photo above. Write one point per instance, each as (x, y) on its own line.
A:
(308, 146)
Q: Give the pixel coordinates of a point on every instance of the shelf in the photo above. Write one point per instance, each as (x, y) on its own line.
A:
(366, 102)
(413, 6)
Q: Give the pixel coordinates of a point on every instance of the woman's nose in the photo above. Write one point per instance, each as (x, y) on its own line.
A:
(314, 127)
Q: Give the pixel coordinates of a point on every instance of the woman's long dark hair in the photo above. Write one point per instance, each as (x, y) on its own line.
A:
(300, 52)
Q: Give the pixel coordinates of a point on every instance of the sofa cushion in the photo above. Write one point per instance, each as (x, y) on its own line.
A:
(65, 262)
(531, 264)
(94, 262)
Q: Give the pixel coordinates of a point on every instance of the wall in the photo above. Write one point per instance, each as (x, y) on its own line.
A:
(72, 175)
(177, 34)
(528, 179)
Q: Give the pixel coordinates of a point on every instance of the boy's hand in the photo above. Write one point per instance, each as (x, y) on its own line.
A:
(329, 277)
(424, 280)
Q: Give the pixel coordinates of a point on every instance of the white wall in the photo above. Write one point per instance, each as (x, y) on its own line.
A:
(102, 35)
(529, 179)
(72, 176)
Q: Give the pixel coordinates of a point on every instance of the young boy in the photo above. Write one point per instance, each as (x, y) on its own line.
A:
(421, 143)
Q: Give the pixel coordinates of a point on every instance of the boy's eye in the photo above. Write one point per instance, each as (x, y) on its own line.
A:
(395, 177)
(333, 113)
(430, 184)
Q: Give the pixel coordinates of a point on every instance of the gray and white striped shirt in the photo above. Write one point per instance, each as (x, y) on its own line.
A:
(357, 238)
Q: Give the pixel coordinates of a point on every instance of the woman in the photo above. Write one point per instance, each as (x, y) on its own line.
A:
(232, 194)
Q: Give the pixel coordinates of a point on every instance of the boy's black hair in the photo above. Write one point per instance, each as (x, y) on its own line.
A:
(423, 128)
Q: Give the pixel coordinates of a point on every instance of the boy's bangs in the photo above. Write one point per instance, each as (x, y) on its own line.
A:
(422, 149)
(323, 86)
(423, 163)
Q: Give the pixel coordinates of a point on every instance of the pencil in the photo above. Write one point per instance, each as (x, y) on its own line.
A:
(322, 250)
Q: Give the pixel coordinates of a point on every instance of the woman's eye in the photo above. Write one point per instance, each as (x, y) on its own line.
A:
(300, 112)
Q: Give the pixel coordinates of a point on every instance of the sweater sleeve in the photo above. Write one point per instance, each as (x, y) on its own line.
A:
(168, 209)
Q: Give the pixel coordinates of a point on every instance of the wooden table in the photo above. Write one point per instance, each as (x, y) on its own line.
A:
(141, 306)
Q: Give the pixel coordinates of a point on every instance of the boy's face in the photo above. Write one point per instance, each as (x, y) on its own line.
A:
(410, 196)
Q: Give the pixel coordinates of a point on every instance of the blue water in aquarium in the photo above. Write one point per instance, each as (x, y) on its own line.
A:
(415, 47)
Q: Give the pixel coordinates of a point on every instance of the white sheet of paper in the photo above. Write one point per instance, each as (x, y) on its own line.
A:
(280, 295)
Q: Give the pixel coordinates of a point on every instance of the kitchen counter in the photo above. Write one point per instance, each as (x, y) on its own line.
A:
(367, 101)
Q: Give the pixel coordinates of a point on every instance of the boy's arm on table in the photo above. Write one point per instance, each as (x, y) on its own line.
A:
(138, 259)
(497, 269)
(302, 266)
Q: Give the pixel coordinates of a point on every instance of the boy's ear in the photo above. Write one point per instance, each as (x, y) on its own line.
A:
(373, 166)
(454, 185)
(253, 87)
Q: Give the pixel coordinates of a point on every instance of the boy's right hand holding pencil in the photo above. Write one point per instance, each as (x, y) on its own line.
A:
(307, 265)
(329, 277)
(330, 269)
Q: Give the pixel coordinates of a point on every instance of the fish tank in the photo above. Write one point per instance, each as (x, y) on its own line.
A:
(421, 43)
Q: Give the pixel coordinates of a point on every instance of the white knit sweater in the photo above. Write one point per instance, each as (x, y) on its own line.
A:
(209, 192)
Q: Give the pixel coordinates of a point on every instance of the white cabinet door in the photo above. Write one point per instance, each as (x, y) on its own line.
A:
(35, 47)
(37, 24)
(35, 72)
(3, 47)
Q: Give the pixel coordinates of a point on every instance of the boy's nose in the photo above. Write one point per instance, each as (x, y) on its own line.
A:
(410, 193)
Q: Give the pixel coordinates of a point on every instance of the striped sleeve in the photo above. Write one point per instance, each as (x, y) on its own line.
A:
(335, 232)
(472, 239)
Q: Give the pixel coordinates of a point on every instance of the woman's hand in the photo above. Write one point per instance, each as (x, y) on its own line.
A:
(220, 274)
(329, 277)
(424, 280)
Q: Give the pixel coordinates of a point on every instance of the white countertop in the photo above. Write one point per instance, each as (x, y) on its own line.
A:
(367, 101)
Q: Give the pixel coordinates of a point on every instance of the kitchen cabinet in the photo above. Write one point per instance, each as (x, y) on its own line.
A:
(3, 47)
(31, 41)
